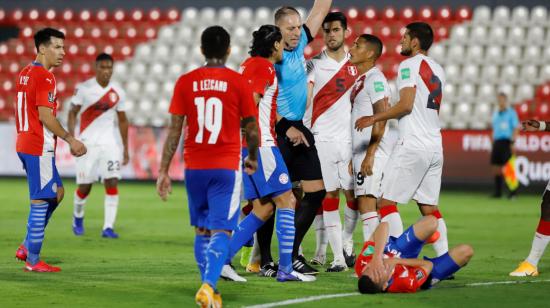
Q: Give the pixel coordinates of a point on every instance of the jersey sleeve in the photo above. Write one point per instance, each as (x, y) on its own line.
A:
(45, 90)
(247, 104)
(376, 88)
(260, 78)
(78, 96)
(305, 38)
(177, 104)
(405, 77)
(121, 105)
(310, 69)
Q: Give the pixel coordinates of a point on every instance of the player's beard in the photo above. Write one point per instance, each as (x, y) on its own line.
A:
(406, 52)
(336, 47)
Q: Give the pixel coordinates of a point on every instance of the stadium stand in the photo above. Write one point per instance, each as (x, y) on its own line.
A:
(484, 51)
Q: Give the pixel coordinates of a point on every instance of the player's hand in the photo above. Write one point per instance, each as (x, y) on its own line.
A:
(296, 136)
(77, 148)
(367, 165)
(250, 165)
(378, 268)
(164, 186)
(530, 125)
(364, 122)
(125, 157)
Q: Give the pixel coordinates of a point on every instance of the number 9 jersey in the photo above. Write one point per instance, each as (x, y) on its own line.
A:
(214, 100)
(421, 128)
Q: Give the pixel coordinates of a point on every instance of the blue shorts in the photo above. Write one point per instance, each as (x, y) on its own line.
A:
(213, 197)
(406, 246)
(270, 179)
(42, 176)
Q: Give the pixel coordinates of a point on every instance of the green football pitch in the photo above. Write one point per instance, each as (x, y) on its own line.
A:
(152, 264)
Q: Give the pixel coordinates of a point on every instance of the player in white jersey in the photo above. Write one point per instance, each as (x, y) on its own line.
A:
(372, 146)
(96, 105)
(331, 77)
(417, 159)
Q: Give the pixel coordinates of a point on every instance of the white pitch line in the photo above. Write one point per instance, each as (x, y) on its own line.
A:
(321, 297)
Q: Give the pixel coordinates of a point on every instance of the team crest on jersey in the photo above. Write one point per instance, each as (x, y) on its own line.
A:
(352, 70)
(51, 97)
(419, 275)
(113, 97)
(283, 178)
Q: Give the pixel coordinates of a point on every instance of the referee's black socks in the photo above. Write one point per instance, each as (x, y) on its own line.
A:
(305, 214)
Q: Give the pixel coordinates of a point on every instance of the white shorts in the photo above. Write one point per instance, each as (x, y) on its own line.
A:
(413, 174)
(99, 162)
(370, 185)
(335, 158)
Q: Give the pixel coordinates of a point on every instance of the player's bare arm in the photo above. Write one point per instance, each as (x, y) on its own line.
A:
(71, 120)
(250, 128)
(292, 133)
(534, 126)
(318, 12)
(403, 107)
(376, 137)
(164, 184)
(380, 237)
(50, 121)
(123, 129)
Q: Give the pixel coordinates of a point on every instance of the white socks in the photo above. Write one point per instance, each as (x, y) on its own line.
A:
(540, 241)
(370, 222)
(111, 207)
(441, 246)
(350, 220)
(390, 214)
(320, 236)
(78, 205)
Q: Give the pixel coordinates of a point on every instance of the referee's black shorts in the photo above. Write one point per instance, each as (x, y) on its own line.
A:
(302, 161)
(501, 152)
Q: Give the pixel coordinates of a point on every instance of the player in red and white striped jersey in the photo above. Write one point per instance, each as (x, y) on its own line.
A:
(96, 105)
(331, 77)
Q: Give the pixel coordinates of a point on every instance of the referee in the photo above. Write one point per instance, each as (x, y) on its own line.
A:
(505, 130)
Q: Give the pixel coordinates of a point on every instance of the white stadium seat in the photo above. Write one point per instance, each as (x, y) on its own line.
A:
(168, 87)
(493, 54)
(516, 35)
(226, 17)
(161, 52)
(546, 54)
(452, 72)
(474, 54)
(501, 15)
(529, 73)
(120, 69)
(509, 73)
(463, 111)
(138, 69)
(437, 52)
(264, 16)
(167, 34)
(535, 36)
(207, 16)
(497, 35)
(455, 54)
(524, 91)
(466, 91)
(179, 53)
(512, 54)
(245, 16)
(478, 35)
(470, 73)
(531, 54)
(241, 35)
(449, 91)
(151, 89)
(459, 34)
(520, 15)
(445, 112)
(157, 70)
(486, 91)
(482, 15)
(507, 89)
(545, 72)
(143, 51)
(539, 16)
(185, 34)
(190, 17)
(145, 105)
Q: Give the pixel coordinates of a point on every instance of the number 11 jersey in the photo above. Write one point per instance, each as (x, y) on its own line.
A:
(421, 128)
(213, 100)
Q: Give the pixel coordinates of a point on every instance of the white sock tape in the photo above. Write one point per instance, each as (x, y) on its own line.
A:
(542, 125)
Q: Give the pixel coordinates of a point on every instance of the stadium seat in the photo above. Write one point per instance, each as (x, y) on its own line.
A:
(529, 74)
(370, 14)
(459, 34)
(535, 36)
(546, 54)
(470, 73)
(545, 72)
(463, 13)
(516, 34)
(226, 17)
(539, 16)
(478, 34)
(449, 90)
(245, 16)
(474, 54)
(501, 15)
(437, 52)
(493, 55)
(481, 15)
(452, 72)
(531, 55)
(455, 54)
(509, 73)
(466, 91)
(524, 91)
(190, 17)
(445, 112)
(264, 15)
(520, 16)
(497, 35)
(407, 14)
(207, 16)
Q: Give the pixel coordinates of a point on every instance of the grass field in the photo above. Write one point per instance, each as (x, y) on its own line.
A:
(152, 263)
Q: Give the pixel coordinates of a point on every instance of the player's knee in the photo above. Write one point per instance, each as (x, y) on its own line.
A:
(430, 222)
(111, 183)
(60, 194)
(466, 252)
(85, 189)
(333, 194)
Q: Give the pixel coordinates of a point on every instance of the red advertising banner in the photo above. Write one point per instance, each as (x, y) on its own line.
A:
(467, 157)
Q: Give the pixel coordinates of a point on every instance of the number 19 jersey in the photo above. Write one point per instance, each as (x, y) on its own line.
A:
(214, 100)
(421, 128)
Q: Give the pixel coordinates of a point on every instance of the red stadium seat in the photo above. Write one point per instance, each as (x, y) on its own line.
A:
(543, 111)
(444, 14)
(353, 15)
(463, 13)
(543, 92)
(68, 15)
(407, 14)
(3, 16)
(85, 15)
(16, 16)
(50, 15)
(136, 15)
(426, 14)
(389, 14)
(119, 15)
(154, 15)
(370, 14)
(101, 15)
(172, 15)
(523, 111)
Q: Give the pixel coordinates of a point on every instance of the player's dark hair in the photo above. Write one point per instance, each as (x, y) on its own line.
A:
(375, 41)
(43, 36)
(283, 11)
(423, 32)
(264, 40)
(503, 94)
(336, 16)
(367, 286)
(215, 42)
(104, 57)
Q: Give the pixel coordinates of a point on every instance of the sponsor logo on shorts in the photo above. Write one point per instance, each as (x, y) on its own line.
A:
(283, 178)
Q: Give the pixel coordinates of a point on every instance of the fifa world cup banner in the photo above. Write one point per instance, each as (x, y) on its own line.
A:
(468, 152)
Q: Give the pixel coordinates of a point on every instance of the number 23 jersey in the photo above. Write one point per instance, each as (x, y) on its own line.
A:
(421, 128)
(214, 100)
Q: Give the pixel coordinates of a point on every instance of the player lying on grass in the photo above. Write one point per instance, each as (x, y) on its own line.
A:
(389, 264)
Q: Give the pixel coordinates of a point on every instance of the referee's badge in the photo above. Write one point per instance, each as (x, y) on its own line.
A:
(352, 70)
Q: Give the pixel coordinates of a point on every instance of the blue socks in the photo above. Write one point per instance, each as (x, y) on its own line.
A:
(284, 225)
(35, 231)
(243, 234)
(216, 255)
(201, 244)
(444, 266)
